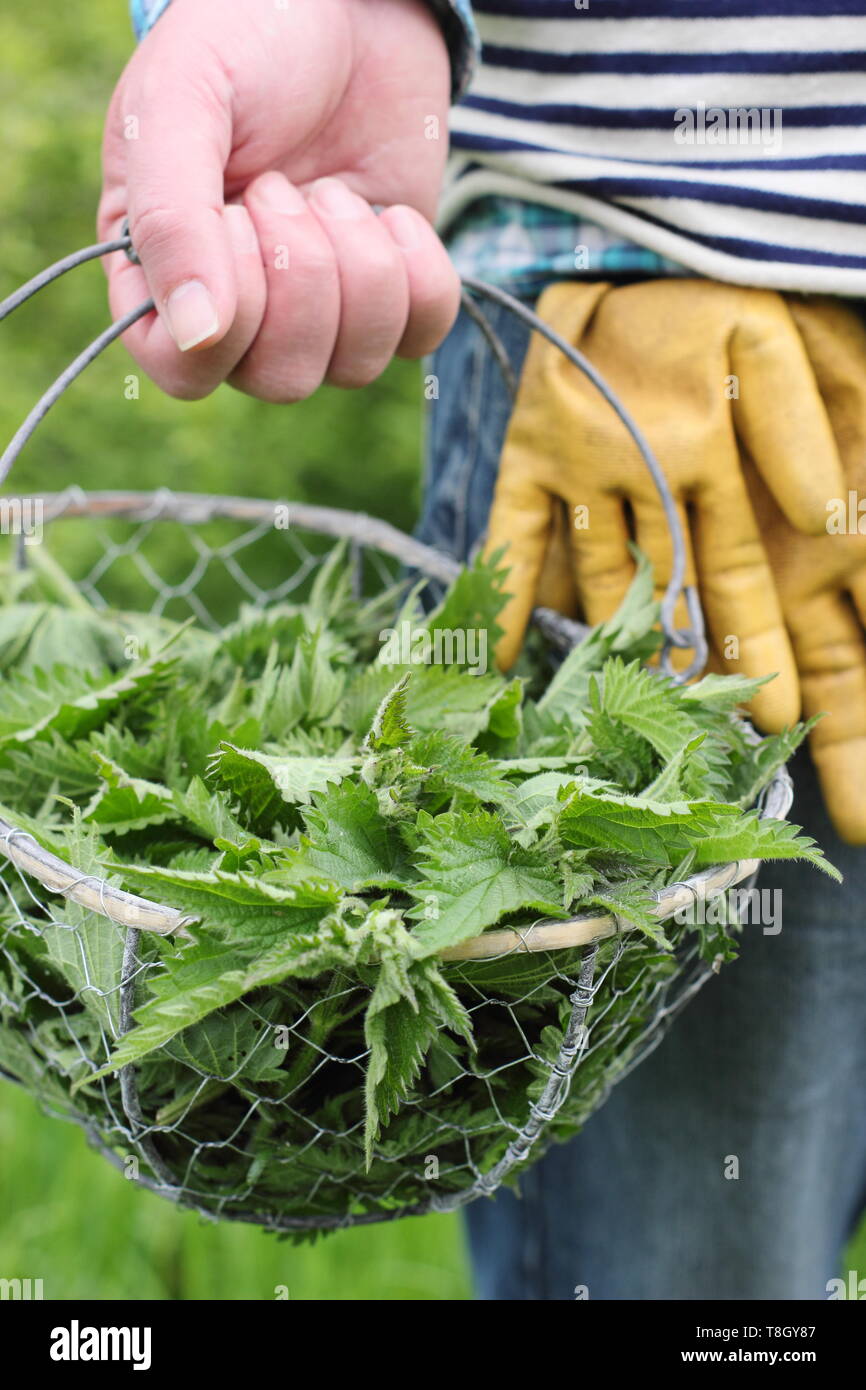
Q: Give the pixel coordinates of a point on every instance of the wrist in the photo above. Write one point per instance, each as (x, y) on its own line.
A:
(454, 18)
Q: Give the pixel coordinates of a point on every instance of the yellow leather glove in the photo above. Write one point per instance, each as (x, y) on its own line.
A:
(706, 370)
(821, 580)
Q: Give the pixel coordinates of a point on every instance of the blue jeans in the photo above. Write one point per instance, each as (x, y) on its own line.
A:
(767, 1064)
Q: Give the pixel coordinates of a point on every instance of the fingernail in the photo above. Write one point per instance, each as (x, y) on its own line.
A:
(403, 226)
(241, 229)
(280, 195)
(336, 199)
(191, 314)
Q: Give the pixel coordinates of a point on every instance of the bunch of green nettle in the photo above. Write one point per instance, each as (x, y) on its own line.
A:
(331, 822)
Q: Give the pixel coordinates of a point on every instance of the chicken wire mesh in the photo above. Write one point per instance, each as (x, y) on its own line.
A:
(277, 1138)
(461, 1132)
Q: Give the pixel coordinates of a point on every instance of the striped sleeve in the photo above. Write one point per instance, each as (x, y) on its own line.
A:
(726, 135)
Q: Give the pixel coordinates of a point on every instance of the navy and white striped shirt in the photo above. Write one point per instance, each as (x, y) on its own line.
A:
(729, 137)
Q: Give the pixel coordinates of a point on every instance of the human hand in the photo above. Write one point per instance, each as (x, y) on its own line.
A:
(246, 143)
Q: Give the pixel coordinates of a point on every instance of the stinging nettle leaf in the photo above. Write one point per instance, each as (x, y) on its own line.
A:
(71, 702)
(264, 779)
(321, 866)
(125, 803)
(472, 875)
(348, 842)
(628, 633)
(390, 727)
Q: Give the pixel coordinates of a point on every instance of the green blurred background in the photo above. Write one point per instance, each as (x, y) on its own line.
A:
(65, 1216)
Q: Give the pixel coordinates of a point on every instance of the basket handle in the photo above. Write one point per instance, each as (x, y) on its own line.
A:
(692, 637)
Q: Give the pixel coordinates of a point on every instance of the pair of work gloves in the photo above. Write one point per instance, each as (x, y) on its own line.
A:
(754, 403)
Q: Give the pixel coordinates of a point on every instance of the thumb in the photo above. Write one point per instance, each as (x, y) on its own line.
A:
(175, 168)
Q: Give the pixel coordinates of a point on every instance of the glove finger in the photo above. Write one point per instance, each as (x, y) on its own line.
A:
(835, 339)
(602, 561)
(780, 416)
(520, 525)
(857, 589)
(842, 773)
(831, 654)
(742, 607)
(556, 587)
(654, 538)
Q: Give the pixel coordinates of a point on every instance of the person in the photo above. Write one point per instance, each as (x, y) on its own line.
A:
(682, 189)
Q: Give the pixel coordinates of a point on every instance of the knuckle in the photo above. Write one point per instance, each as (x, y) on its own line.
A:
(354, 376)
(315, 261)
(277, 387)
(154, 229)
(427, 331)
(378, 266)
(182, 388)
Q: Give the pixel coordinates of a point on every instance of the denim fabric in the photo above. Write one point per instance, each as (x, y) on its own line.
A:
(767, 1064)
(465, 430)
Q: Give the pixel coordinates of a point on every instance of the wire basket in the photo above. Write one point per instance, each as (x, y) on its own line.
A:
(579, 1006)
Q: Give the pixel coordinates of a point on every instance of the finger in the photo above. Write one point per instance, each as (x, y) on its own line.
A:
(654, 538)
(857, 589)
(741, 604)
(290, 356)
(175, 199)
(194, 375)
(603, 563)
(831, 655)
(779, 413)
(556, 586)
(374, 288)
(521, 522)
(835, 340)
(841, 771)
(434, 285)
